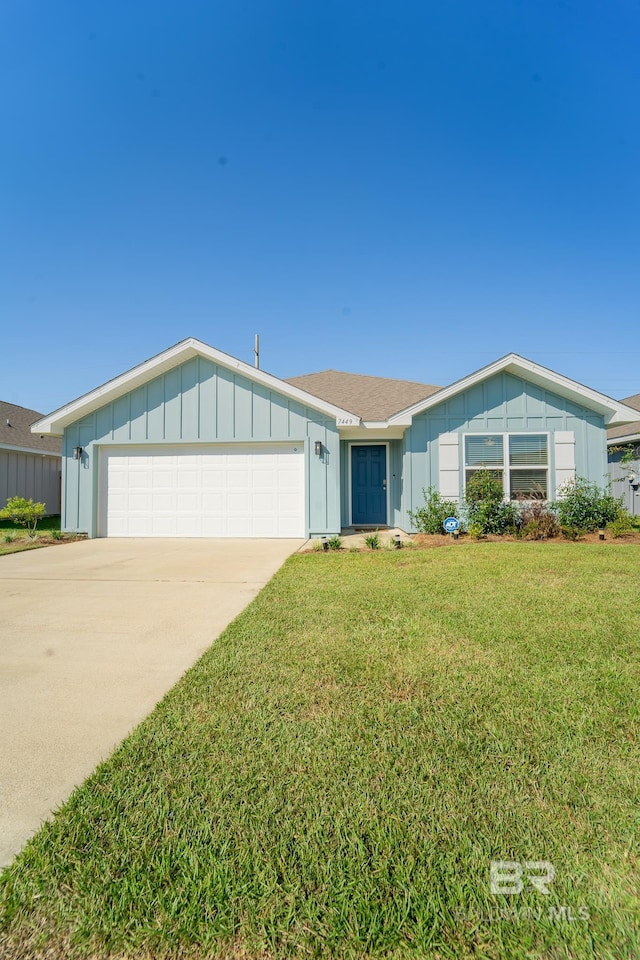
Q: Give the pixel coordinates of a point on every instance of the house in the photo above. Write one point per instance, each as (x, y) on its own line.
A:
(195, 443)
(626, 477)
(30, 464)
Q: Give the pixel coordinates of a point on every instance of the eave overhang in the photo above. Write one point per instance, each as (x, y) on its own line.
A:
(54, 423)
(613, 411)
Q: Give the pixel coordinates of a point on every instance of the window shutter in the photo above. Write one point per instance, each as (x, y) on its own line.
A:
(564, 442)
(449, 465)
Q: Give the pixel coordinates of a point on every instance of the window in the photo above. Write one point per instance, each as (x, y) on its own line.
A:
(519, 461)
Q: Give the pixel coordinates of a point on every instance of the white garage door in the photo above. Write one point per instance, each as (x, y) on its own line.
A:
(203, 491)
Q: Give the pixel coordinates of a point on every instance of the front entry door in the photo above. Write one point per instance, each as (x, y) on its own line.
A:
(369, 484)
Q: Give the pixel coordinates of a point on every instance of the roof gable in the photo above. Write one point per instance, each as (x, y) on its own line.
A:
(54, 423)
(630, 431)
(613, 411)
(15, 430)
(372, 398)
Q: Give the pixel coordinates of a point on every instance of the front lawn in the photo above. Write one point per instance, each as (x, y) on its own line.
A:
(45, 525)
(15, 539)
(335, 775)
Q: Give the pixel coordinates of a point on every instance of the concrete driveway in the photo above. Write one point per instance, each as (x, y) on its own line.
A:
(92, 635)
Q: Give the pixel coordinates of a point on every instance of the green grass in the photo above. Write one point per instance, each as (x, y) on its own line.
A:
(336, 773)
(45, 525)
(19, 546)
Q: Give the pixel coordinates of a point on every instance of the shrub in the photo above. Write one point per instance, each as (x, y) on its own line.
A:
(430, 517)
(621, 526)
(475, 531)
(372, 540)
(537, 520)
(25, 512)
(485, 504)
(56, 534)
(335, 542)
(483, 486)
(9, 536)
(583, 505)
(572, 533)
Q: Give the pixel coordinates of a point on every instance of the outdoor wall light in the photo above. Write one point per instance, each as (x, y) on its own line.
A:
(77, 453)
(318, 447)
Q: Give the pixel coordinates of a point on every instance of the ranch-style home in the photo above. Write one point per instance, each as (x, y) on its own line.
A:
(195, 443)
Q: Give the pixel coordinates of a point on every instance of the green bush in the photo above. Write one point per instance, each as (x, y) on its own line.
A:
(335, 542)
(372, 540)
(572, 533)
(430, 517)
(621, 526)
(486, 507)
(583, 505)
(25, 512)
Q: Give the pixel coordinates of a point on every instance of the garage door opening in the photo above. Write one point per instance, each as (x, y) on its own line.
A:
(252, 490)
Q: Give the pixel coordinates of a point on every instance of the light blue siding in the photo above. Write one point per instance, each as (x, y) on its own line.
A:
(200, 401)
(503, 403)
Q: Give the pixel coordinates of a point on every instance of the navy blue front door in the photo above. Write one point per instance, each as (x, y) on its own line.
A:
(369, 484)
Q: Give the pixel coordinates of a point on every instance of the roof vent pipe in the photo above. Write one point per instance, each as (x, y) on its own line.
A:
(256, 352)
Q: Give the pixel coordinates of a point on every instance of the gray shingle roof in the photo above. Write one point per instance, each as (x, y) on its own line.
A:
(15, 429)
(629, 429)
(371, 398)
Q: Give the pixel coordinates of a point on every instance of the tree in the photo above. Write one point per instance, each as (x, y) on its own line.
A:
(25, 512)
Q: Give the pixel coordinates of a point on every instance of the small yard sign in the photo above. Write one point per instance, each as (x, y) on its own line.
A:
(451, 524)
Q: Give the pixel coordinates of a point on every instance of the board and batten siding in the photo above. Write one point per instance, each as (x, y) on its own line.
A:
(619, 474)
(200, 401)
(34, 476)
(501, 404)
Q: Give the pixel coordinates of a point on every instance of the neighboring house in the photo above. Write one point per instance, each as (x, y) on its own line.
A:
(30, 464)
(194, 443)
(626, 477)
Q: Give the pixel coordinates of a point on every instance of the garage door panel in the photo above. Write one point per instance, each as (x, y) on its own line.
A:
(237, 527)
(203, 491)
(187, 479)
(163, 527)
(213, 503)
(263, 503)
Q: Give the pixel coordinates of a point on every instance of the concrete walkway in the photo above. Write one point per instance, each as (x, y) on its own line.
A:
(92, 635)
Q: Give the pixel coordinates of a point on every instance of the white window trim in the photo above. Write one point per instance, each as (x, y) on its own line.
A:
(506, 466)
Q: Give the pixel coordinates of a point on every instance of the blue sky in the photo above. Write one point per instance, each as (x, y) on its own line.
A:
(407, 190)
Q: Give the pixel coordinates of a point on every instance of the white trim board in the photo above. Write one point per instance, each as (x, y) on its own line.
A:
(54, 423)
(613, 411)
